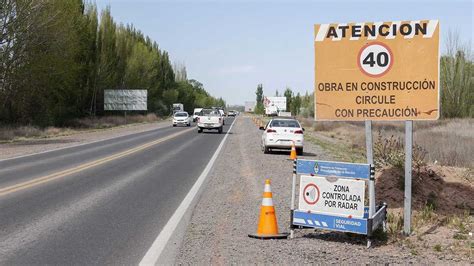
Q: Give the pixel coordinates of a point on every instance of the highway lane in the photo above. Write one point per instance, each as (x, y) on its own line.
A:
(109, 213)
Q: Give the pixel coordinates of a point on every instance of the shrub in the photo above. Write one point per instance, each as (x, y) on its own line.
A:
(391, 152)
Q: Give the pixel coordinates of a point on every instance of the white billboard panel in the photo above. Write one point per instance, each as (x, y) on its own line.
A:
(125, 100)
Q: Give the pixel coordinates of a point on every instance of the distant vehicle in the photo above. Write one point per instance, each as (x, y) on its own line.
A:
(196, 113)
(249, 107)
(273, 105)
(210, 119)
(232, 113)
(181, 119)
(280, 133)
(177, 107)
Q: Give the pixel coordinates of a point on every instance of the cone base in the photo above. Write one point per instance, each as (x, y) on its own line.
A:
(264, 237)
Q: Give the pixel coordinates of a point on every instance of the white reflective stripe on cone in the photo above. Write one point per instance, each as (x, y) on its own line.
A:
(267, 188)
(267, 202)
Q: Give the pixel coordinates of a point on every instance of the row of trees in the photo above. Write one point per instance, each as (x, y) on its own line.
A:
(457, 79)
(57, 58)
(295, 103)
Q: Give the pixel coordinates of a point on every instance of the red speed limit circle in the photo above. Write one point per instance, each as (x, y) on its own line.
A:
(375, 59)
(311, 194)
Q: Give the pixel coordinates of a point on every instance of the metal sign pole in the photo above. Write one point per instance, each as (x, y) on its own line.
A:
(370, 160)
(408, 167)
(293, 195)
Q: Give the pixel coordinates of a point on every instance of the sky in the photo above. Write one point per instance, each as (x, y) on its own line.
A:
(232, 46)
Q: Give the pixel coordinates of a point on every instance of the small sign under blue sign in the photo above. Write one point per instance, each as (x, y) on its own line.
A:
(329, 222)
(337, 169)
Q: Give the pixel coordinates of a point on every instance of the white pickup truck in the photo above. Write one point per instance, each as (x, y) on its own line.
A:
(210, 119)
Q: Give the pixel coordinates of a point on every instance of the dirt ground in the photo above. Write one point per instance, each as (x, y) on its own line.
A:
(229, 207)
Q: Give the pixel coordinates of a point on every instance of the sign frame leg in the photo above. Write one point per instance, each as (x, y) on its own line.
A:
(293, 196)
(370, 160)
(408, 177)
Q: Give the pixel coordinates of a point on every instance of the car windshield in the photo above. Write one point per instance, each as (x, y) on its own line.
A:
(181, 115)
(285, 123)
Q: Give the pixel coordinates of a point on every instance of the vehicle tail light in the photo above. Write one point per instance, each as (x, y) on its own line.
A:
(271, 130)
(298, 132)
(220, 120)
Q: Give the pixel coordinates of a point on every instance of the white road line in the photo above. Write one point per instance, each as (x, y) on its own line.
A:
(153, 254)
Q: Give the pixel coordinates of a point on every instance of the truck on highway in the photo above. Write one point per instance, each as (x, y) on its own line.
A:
(196, 113)
(274, 105)
(210, 119)
(177, 107)
(249, 107)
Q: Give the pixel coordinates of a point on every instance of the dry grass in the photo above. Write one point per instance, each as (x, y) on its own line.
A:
(12, 133)
(447, 142)
(112, 121)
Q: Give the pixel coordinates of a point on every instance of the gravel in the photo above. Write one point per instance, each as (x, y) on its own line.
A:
(229, 207)
(35, 145)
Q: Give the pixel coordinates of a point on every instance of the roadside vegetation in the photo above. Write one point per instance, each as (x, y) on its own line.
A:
(19, 133)
(57, 58)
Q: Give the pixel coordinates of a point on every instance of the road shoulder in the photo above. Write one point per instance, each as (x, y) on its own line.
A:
(229, 207)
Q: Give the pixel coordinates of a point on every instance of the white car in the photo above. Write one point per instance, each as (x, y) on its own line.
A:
(280, 133)
(181, 119)
(196, 113)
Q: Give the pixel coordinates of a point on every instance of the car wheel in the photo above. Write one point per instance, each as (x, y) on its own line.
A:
(174, 125)
(266, 150)
(299, 151)
(189, 124)
(199, 130)
(220, 130)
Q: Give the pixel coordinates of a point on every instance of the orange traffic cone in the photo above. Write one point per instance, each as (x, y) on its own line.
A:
(267, 225)
(293, 152)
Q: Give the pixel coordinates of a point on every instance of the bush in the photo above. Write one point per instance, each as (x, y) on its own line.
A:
(391, 152)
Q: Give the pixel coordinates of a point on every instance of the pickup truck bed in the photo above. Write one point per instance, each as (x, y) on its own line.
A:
(210, 121)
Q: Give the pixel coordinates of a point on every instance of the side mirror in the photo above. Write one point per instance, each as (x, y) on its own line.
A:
(303, 129)
(261, 128)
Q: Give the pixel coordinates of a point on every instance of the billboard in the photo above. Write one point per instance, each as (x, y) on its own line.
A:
(125, 100)
(377, 71)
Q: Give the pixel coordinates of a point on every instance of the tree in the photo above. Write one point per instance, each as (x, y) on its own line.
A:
(259, 93)
(296, 104)
(457, 79)
(288, 94)
(57, 58)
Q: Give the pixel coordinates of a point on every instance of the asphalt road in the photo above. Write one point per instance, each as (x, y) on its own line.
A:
(99, 203)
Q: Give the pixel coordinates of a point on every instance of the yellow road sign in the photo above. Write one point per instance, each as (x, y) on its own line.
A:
(377, 71)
